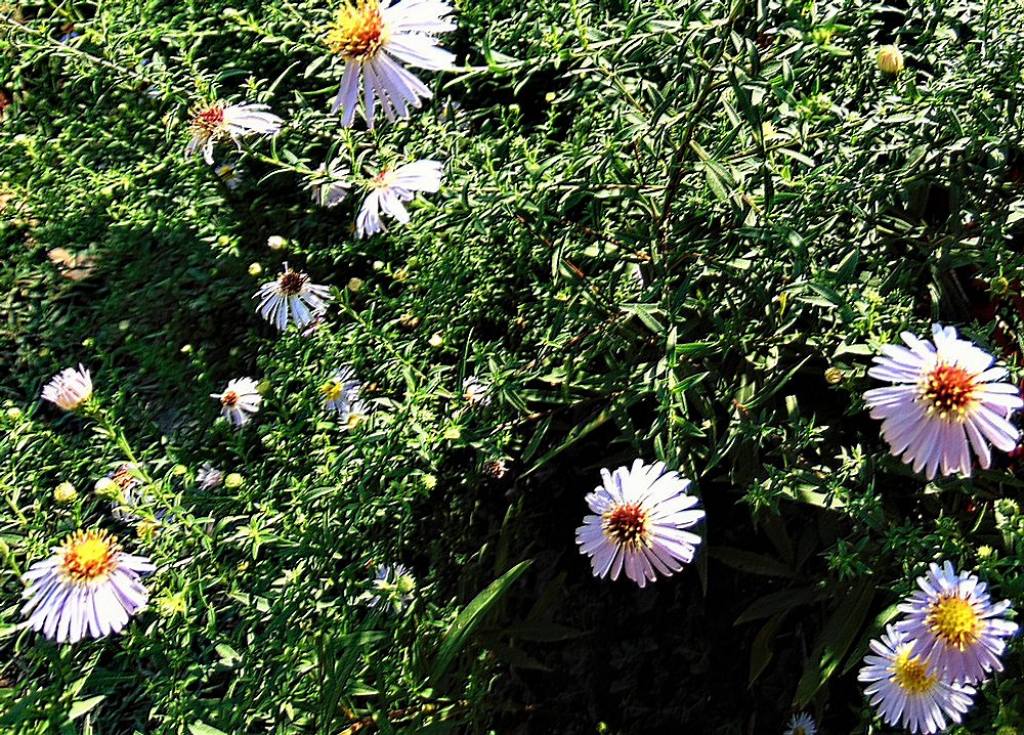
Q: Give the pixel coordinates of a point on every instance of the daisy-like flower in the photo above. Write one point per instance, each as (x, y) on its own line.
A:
(240, 400)
(88, 588)
(393, 588)
(640, 522)
(69, 389)
(955, 626)
(802, 724)
(341, 394)
(905, 692)
(390, 188)
(208, 477)
(476, 391)
(329, 185)
(228, 173)
(947, 399)
(291, 297)
(218, 121)
(369, 35)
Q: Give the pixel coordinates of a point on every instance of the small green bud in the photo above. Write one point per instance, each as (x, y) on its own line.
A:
(65, 493)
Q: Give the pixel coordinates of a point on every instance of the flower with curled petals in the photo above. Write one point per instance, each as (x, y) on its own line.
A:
(69, 389)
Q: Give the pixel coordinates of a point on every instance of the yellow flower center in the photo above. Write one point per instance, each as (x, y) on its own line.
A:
(949, 389)
(626, 525)
(332, 390)
(358, 32)
(208, 121)
(88, 555)
(954, 622)
(910, 674)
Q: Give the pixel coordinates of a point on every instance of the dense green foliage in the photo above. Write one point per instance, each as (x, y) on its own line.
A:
(674, 230)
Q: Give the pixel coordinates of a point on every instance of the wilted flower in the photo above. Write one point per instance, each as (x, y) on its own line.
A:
(89, 587)
(291, 297)
(390, 188)
(802, 724)
(69, 389)
(341, 394)
(367, 34)
(240, 400)
(393, 588)
(476, 391)
(215, 122)
(641, 514)
(905, 692)
(946, 401)
(954, 625)
(329, 185)
(889, 59)
(208, 477)
(496, 468)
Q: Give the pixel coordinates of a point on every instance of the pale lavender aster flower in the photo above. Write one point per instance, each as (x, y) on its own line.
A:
(209, 477)
(640, 522)
(905, 692)
(291, 297)
(948, 399)
(394, 587)
(369, 35)
(240, 400)
(88, 588)
(329, 185)
(69, 389)
(341, 395)
(390, 188)
(476, 391)
(215, 122)
(802, 724)
(954, 625)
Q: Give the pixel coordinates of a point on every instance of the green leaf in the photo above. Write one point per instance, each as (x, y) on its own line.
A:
(762, 648)
(462, 628)
(749, 561)
(835, 640)
(82, 706)
(201, 728)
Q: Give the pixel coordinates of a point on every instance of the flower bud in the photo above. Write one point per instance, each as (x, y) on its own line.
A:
(14, 413)
(436, 340)
(65, 493)
(276, 242)
(834, 376)
(890, 60)
(355, 285)
(255, 269)
(107, 488)
(233, 480)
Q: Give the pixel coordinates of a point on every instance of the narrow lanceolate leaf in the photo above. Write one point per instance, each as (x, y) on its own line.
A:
(461, 630)
(835, 640)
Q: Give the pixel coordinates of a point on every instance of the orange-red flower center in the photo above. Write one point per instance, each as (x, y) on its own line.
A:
(209, 120)
(950, 390)
(291, 283)
(229, 399)
(626, 525)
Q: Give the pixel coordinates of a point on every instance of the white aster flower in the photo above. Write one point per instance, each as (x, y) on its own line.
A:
(390, 188)
(948, 399)
(215, 122)
(641, 514)
(69, 389)
(905, 692)
(476, 391)
(208, 477)
(802, 724)
(341, 395)
(329, 185)
(89, 587)
(240, 400)
(955, 626)
(393, 588)
(369, 35)
(291, 297)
